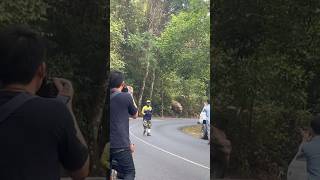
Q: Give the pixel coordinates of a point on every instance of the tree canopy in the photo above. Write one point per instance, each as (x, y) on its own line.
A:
(265, 58)
(164, 51)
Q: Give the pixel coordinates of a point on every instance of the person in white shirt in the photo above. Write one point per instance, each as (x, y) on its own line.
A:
(206, 110)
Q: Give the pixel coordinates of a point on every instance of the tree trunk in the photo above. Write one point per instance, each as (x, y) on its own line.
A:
(152, 82)
(95, 123)
(162, 107)
(143, 83)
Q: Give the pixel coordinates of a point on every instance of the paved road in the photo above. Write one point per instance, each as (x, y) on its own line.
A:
(169, 153)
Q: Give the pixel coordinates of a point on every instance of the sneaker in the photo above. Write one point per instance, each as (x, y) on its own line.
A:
(148, 134)
(144, 132)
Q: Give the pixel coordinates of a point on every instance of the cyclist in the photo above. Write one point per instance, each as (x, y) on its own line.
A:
(147, 114)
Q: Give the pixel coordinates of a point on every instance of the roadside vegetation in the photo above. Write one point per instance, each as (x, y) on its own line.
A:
(265, 61)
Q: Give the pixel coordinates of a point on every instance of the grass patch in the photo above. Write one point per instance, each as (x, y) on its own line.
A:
(194, 130)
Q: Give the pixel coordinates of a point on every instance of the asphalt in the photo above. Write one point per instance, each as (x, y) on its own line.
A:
(169, 153)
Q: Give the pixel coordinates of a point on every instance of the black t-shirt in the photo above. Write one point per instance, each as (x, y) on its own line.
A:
(121, 107)
(36, 139)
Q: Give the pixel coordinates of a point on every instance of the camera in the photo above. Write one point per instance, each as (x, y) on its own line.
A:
(48, 89)
(125, 89)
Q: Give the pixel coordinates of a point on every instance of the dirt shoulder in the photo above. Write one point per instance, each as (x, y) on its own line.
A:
(194, 130)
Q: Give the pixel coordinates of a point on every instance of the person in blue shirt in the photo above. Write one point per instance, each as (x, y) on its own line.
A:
(311, 150)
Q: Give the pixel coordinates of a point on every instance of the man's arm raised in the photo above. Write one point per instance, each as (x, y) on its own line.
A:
(130, 90)
(65, 88)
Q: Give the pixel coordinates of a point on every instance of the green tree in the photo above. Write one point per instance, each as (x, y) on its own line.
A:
(262, 54)
(22, 12)
(117, 38)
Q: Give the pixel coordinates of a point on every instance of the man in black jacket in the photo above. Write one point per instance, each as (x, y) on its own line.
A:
(122, 106)
(41, 133)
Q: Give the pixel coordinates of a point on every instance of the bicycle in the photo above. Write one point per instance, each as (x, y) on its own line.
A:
(204, 130)
(146, 127)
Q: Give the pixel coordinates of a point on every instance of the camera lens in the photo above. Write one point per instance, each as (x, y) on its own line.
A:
(125, 89)
(48, 90)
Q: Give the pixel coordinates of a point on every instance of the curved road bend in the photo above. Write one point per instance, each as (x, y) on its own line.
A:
(169, 153)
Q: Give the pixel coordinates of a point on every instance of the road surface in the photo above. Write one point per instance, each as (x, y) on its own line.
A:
(169, 153)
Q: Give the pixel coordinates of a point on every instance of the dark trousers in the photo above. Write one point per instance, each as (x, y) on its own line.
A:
(125, 165)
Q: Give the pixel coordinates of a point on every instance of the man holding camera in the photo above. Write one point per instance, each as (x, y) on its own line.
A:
(122, 106)
(36, 134)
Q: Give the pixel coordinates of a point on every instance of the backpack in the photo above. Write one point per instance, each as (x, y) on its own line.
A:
(114, 95)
